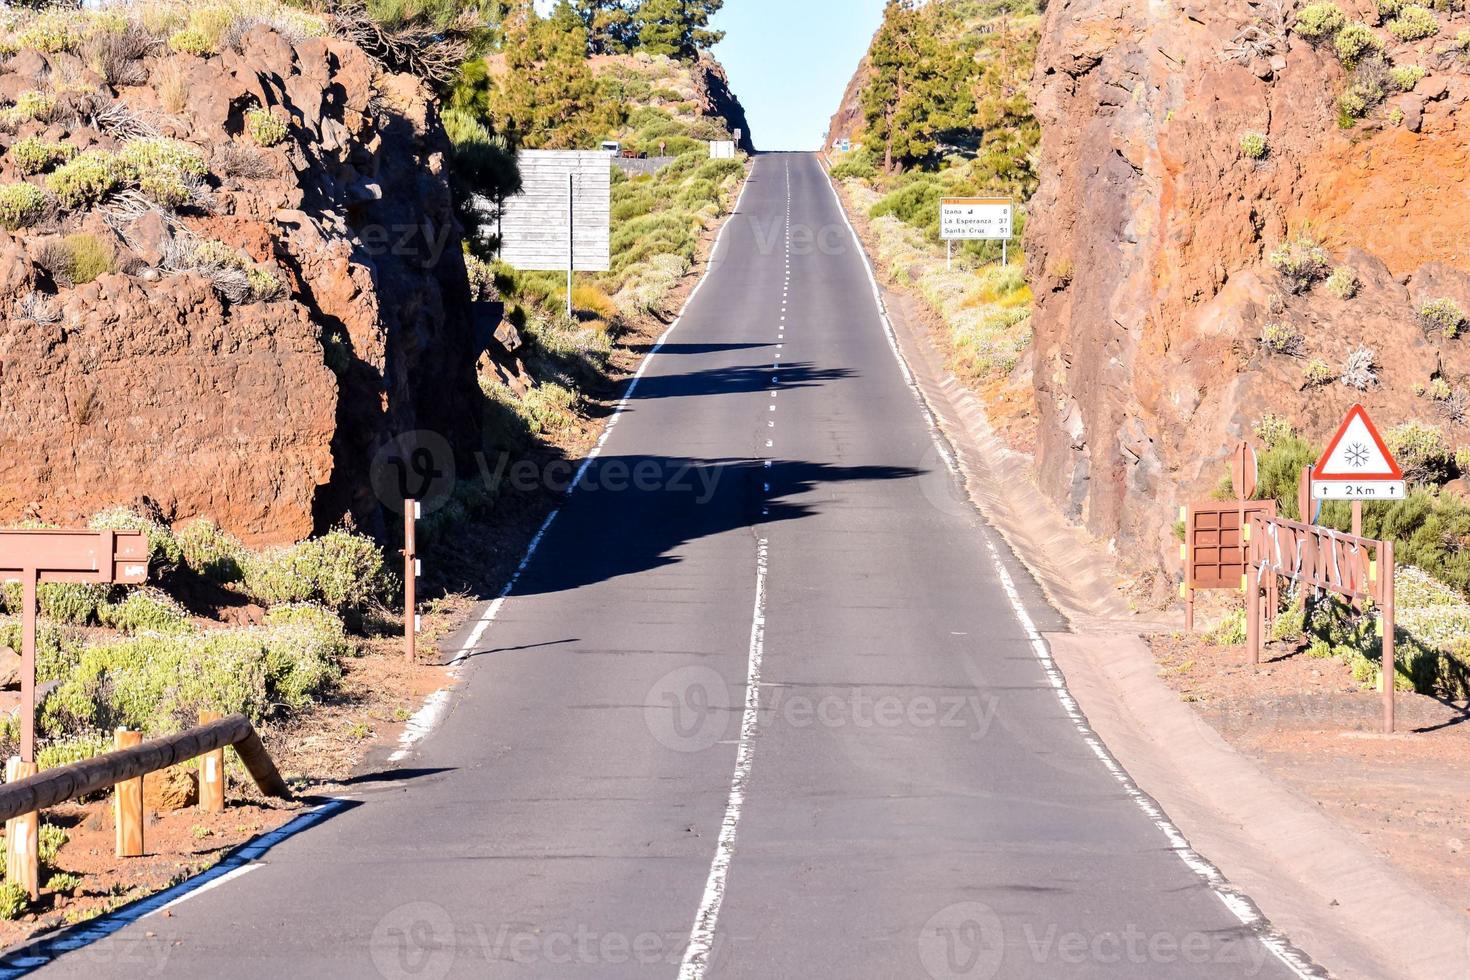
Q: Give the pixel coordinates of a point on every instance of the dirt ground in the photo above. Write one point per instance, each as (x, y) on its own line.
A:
(318, 752)
(1309, 725)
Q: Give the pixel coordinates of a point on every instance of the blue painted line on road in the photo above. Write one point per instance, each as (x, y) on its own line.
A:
(40, 952)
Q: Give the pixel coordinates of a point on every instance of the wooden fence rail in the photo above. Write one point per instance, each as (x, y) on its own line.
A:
(105, 771)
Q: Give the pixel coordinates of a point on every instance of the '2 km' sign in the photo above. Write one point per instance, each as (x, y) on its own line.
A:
(1357, 464)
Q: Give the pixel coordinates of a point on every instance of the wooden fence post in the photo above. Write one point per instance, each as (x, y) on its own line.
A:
(127, 802)
(1385, 576)
(211, 772)
(22, 836)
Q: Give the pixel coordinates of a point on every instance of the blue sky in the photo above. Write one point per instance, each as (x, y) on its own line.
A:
(789, 61)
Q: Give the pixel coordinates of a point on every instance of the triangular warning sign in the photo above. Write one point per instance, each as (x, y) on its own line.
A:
(1357, 452)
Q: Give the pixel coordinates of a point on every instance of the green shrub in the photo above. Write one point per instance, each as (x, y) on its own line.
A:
(263, 284)
(1414, 23)
(1319, 21)
(34, 154)
(858, 165)
(63, 882)
(1442, 316)
(1343, 283)
(139, 157)
(1317, 373)
(1422, 451)
(145, 610)
(30, 105)
(342, 570)
(85, 179)
(14, 900)
(160, 682)
(165, 187)
(52, 31)
(1272, 430)
(1405, 77)
(266, 128)
(50, 839)
(190, 41)
(1354, 43)
(1253, 145)
(71, 603)
(1229, 631)
(21, 205)
(212, 552)
(163, 547)
(85, 257)
(1301, 261)
(68, 751)
(1439, 389)
(1281, 338)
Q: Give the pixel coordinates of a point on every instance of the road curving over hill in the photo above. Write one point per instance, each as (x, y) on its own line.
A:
(768, 699)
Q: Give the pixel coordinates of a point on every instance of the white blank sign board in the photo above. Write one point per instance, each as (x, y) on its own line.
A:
(560, 190)
(976, 219)
(722, 150)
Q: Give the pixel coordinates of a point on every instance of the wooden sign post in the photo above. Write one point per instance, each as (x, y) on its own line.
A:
(33, 557)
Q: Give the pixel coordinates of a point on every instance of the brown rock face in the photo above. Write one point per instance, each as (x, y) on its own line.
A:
(1149, 239)
(264, 416)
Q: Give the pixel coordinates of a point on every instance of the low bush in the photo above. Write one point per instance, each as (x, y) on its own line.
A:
(82, 258)
(21, 205)
(1422, 451)
(145, 610)
(85, 179)
(159, 683)
(1442, 316)
(1413, 23)
(67, 751)
(1317, 373)
(858, 164)
(163, 548)
(1281, 338)
(1301, 261)
(34, 154)
(14, 900)
(1318, 22)
(265, 127)
(1354, 43)
(191, 41)
(1253, 145)
(71, 603)
(342, 570)
(1405, 77)
(1343, 283)
(63, 882)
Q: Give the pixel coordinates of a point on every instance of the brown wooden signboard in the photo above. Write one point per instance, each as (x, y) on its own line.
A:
(1214, 546)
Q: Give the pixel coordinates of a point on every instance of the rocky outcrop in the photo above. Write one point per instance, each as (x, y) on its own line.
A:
(1149, 239)
(712, 88)
(848, 122)
(263, 415)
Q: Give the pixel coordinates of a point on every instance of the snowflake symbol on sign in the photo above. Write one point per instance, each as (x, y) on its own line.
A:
(1357, 455)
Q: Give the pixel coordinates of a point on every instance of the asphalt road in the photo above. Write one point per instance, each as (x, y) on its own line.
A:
(902, 793)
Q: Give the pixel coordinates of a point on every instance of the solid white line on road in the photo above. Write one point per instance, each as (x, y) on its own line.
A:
(1231, 897)
(702, 937)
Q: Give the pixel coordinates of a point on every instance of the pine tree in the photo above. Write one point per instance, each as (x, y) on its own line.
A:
(549, 97)
(609, 25)
(677, 28)
(919, 86)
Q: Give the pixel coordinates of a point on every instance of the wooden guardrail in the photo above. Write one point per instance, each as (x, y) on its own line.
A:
(22, 799)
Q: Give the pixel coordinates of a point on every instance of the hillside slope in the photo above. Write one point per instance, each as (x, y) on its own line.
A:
(1179, 155)
(201, 241)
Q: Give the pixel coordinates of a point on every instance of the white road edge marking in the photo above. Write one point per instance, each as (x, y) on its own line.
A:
(1237, 902)
(437, 704)
(702, 937)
